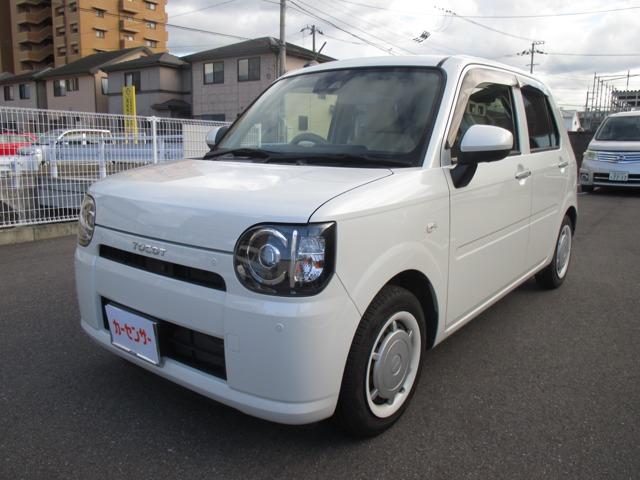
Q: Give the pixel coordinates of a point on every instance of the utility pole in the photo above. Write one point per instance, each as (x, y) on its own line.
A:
(532, 51)
(282, 58)
(313, 29)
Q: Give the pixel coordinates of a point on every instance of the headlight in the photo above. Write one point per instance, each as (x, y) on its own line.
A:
(286, 260)
(590, 155)
(86, 220)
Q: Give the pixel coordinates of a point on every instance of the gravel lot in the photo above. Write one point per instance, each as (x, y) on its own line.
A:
(542, 385)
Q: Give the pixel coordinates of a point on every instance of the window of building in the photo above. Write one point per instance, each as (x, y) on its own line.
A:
(8, 93)
(60, 11)
(74, 49)
(248, 69)
(150, 25)
(100, 33)
(25, 91)
(104, 83)
(72, 84)
(24, 27)
(543, 132)
(60, 31)
(132, 79)
(25, 47)
(59, 88)
(62, 51)
(99, 13)
(213, 72)
(73, 6)
(150, 43)
(74, 28)
(151, 6)
(129, 36)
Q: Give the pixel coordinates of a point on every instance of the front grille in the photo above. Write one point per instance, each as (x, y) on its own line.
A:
(198, 350)
(634, 179)
(203, 278)
(192, 348)
(618, 157)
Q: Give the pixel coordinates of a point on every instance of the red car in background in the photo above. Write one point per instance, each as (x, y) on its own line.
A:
(10, 142)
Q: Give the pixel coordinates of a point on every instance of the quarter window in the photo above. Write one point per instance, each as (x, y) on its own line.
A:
(214, 72)
(489, 104)
(248, 69)
(543, 132)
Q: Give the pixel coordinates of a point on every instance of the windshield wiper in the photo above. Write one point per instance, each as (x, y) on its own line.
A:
(240, 152)
(347, 159)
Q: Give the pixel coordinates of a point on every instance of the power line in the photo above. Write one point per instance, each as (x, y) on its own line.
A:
(333, 24)
(486, 27)
(357, 28)
(537, 15)
(203, 8)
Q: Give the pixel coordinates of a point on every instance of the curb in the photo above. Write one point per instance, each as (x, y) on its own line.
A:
(32, 233)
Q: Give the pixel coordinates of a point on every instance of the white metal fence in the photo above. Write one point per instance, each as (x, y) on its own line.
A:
(49, 158)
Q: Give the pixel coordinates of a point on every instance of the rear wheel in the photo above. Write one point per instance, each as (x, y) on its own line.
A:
(384, 363)
(555, 273)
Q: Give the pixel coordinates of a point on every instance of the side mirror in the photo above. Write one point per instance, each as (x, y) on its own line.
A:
(215, 135)
(485, 143)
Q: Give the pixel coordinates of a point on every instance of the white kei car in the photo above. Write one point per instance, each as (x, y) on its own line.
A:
(357, 214)
(613, 156)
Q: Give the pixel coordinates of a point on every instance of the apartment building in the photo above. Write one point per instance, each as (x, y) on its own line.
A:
(52, 33)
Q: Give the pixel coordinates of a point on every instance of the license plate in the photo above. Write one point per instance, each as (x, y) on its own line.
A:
(133, 333)
(618, 176)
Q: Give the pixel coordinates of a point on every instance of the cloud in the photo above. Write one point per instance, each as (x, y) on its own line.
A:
(394, 24)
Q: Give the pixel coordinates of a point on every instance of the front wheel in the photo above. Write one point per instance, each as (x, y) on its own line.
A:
(384, 363)
(555, 273)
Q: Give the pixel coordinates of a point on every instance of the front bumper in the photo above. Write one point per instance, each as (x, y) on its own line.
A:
(284, 356)
(596, 173)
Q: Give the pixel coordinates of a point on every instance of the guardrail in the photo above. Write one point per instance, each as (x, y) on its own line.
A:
(49, 158)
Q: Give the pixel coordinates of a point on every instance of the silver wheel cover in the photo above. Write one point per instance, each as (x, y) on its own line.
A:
(563, 251)
(393, 364)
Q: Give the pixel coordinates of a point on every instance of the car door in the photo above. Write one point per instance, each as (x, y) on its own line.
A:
(550, 167)
(490, 211)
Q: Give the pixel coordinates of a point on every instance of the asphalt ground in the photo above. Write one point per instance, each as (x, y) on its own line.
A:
(542, 385)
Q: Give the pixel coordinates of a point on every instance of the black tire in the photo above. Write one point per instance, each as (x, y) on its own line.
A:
(549, 278)
(353, 413)
(587, 188)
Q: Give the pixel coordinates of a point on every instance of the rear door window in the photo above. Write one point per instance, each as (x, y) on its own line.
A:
(543, 131)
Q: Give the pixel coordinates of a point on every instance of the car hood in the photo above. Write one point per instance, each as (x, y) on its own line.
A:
(611, 146)
(210, 203)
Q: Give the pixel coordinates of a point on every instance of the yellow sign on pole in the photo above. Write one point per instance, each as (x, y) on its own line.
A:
(129, 109)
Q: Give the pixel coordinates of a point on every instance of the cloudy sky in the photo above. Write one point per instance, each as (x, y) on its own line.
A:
(390, 27)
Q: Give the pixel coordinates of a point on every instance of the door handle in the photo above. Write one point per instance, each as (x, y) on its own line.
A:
(563, 164)
(523, 174)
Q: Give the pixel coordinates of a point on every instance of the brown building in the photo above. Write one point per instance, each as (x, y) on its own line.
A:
(56, 32)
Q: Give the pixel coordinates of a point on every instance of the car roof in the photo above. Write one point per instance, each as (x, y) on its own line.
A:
(632, 113)
(452, 64)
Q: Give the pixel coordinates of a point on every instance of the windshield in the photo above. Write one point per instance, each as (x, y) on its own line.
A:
(373, 113)
(620, 129)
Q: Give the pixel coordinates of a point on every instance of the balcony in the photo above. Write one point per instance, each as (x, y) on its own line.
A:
(34, 17)
(159, 34)
(131, 25)
(125, 43)
(132, 6)
(36, 36)
(36, 55)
